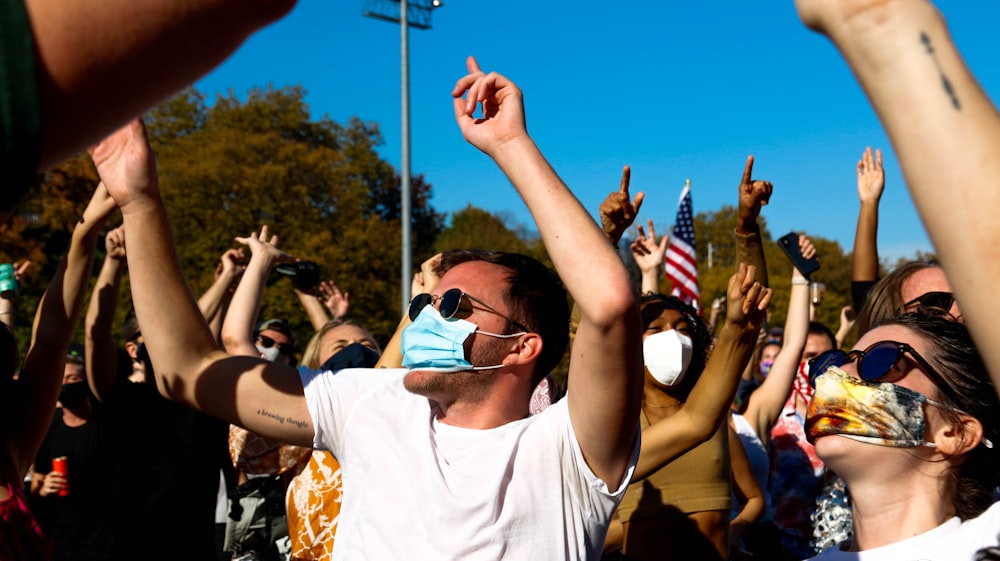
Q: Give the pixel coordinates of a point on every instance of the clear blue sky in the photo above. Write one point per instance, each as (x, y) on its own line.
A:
(676, 90)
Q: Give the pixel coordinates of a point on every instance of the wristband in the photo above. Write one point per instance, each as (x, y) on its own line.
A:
(797, 280)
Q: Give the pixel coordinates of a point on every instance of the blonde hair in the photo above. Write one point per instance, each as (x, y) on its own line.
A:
(311, 357)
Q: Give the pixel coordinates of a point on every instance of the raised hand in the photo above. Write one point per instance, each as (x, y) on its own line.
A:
(114, 244)
(265, 245)
(649, 254)
(336, 301)
(618, 211)
(231, 265)
(748, 300)
(426, 279)
(126, 165)
(871, 176)
(502, 105)
(754, 193)
(808, 252)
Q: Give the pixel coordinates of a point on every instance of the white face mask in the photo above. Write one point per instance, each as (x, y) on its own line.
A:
(270, 353)
(667, 355)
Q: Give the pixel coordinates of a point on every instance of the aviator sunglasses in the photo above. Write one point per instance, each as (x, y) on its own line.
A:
(455, 304)
(875, 362)
(283, 348)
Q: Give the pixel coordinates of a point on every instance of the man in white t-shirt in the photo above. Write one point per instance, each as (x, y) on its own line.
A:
(441, 460)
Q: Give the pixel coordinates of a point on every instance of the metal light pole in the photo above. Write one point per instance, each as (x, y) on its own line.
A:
(417, 14)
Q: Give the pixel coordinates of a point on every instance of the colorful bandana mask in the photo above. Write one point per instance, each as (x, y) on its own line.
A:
(883, 414)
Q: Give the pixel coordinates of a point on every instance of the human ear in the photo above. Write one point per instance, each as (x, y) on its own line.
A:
(960, 436)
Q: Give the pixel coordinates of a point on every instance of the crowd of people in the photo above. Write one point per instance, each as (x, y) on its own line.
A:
(204, 436)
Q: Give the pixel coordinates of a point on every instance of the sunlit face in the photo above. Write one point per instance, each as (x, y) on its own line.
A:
(929, 279)
(485, 281)
(845, 454)
(336, 339)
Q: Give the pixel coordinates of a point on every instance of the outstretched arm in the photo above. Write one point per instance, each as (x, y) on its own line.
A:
(765, 402)
(943, 128)
(649, 256)
(237, 329)
(215, 301)
(754, 193)
(618, 211)
(708, 403)
(246, 391)
(424, 281)
(605, 372)
(98, 343)
(52, 331)
(864, 260)
(86, 48)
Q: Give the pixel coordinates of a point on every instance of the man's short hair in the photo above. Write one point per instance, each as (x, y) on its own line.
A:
(535, 296)
(817, 328)
(130, 328)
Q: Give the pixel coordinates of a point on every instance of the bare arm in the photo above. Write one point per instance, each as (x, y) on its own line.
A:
(708, 403)
(424, 281)
(871, 182)
(215, 301)
(746, 488)
(87, 48)
(52, 331)
(605, 371)
(649, 256)
(98, 343)
(754, 193)
(246, 391)
(765, 402)
(945, 131)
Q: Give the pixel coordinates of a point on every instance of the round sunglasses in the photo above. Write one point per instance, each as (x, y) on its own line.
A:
(875, 362)
(454, 304)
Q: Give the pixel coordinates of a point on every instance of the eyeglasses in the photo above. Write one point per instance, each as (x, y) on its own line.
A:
(875, 362)
(284, 348)
(933, 301)
(454, 305)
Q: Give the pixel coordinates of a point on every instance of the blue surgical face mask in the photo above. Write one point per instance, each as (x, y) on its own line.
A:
(436, 344)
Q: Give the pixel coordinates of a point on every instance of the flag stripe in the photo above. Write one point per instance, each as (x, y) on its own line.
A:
(680, 263)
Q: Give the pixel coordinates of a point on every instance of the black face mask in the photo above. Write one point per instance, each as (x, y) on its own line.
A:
(73, 395)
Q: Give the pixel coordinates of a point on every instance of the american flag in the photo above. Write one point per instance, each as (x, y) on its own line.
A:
(682, 268)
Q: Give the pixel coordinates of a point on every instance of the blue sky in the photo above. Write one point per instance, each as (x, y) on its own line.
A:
(676, 90)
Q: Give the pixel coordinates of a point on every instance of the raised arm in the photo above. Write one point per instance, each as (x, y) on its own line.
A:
(55, 320)
(329, 303)
(259, 395)
(424, 281)
(649, 255)
(617, 211)
(214, 302)
(766, 402)
(864, 260)
(605, 371)
(754, 193)
(708, 403)
(237, 329)
(98, 343)
(944, 130)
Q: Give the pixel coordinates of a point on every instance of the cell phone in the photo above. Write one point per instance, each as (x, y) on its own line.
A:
(790, 244)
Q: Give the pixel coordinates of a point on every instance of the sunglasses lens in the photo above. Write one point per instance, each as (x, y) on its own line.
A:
(819, 364)
(877, 361)
(419, 302)
(941, 300)
(265, 341)
(451, 302)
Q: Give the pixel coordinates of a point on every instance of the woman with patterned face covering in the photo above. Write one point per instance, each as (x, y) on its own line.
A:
(909, 420)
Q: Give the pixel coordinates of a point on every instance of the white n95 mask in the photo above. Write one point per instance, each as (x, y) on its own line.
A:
(667, 355)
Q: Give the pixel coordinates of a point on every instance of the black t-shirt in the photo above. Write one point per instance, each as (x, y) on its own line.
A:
(166, 478)
(77, 523)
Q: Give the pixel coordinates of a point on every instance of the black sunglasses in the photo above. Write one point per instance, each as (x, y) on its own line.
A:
(454, 305)
(932, 300)
(284, 348)
(875, 362)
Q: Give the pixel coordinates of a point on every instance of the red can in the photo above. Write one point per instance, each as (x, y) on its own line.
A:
(59, 465)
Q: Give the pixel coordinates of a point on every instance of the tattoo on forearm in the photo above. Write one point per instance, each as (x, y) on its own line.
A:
(945, 82)
(282, 419)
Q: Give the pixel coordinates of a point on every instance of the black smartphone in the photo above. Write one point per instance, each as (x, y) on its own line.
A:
(790, 244)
